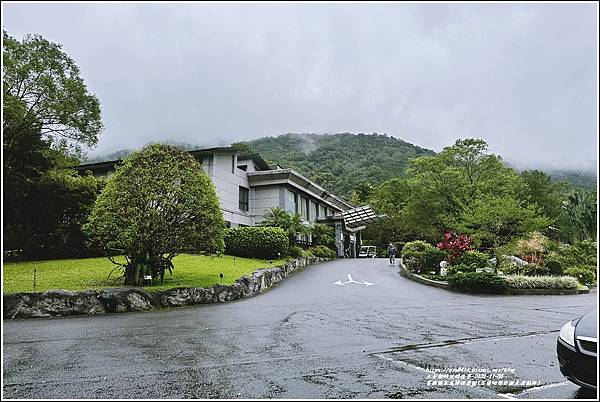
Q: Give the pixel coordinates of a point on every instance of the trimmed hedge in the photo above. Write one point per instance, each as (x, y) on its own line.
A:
(540, 282)
(256, 242)
(478, 282)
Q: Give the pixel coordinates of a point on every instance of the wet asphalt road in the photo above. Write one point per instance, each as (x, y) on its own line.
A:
(306, 338)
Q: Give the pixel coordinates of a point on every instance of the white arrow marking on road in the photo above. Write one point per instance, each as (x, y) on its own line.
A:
(351, 280)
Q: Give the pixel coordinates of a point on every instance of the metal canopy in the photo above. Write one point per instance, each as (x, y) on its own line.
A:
(361, 216)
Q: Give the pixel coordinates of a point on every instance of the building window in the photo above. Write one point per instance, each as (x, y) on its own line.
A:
(313, 211)
(304, 207)
(243, 167)
(244, 195)
(290, 201)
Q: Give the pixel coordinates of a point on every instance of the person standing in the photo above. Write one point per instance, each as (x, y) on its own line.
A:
(392, 252)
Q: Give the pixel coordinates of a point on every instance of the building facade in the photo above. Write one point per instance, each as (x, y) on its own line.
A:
(248, 187)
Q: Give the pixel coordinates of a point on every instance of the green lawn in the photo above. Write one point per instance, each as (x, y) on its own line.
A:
(92, 273)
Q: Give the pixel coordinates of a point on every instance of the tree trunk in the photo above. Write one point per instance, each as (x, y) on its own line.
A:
(134, 273)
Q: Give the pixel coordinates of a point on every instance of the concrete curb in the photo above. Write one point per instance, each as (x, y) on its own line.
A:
(54, 303)
(513, 292)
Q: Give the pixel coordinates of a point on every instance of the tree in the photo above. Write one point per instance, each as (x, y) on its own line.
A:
(322, 235)
(47, 115)
(292, 224)
(43, 89)
(242, 147)
(361, 193)
(445, 185)
(495, 220)
(157, 204)
(581, 207)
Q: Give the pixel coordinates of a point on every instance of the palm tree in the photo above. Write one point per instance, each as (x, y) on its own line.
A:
(581, 209)
(322, 234)
(293, 225)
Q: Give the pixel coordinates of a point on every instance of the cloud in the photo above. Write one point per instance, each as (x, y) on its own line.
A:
(521, 76)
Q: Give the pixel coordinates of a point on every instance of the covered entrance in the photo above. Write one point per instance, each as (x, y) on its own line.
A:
(347, 225)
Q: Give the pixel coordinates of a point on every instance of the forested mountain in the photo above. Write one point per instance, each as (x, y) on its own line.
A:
(339, 162)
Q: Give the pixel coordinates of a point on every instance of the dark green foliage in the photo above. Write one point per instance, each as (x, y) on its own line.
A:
(419, 256)
(554, 266)
(585, 274)
(340, 162)
(295, 251)
(322, 251)
(157, 204)
(292, 225)
(322, 235)
(454, 269)
(256, 242)
(478, 282)
(47, 115)
(474, 258)
(535, 270)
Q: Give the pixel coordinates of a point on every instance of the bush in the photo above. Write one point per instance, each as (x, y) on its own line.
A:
(555, 267)
(419, 256)
(479, 282)
(454, 269)
(474, 258)
(535, 270)
(540, 282)
(295, 251)
(323, 252)
(585, 274)
(256, 242)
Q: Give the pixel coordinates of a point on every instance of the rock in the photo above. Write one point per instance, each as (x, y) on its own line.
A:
(52, 303)
(120, 300)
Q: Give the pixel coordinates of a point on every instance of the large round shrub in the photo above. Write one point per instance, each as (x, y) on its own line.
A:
(419, 256)
(157, 204)
(256, 242)
(474, 258)
(478, 282)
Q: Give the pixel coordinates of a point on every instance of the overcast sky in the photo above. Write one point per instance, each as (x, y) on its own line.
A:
(522, 76)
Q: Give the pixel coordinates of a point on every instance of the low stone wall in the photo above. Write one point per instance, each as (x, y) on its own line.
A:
(54, 303)
(417, 278)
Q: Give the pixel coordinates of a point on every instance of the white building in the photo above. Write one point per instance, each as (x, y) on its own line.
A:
(248, 187)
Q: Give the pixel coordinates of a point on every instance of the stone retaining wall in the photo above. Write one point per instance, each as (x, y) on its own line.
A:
(119, 300)
(417, 278)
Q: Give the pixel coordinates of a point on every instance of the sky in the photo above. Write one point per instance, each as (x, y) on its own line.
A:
(524, 77)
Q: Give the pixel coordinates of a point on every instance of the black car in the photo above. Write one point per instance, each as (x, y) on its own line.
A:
(577, 350)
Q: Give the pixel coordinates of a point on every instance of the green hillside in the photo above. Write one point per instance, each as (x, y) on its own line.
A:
(338, 162)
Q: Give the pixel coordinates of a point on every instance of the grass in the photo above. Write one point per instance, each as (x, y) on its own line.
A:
(92, 273)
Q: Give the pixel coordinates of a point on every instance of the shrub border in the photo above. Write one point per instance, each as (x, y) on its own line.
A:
(56, 303)
(445, 285)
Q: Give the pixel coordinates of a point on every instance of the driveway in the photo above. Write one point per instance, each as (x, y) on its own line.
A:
(319, 334)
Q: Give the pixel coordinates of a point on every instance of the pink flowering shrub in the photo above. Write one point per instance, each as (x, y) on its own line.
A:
(454, 245)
